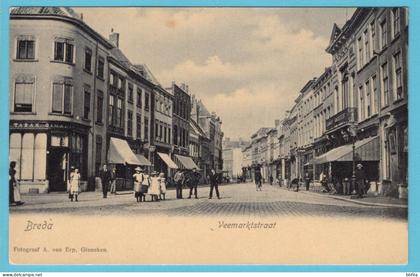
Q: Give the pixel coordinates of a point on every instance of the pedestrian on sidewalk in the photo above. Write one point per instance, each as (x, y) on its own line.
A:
(360, 180)
(74, 185)
(271, 180)
(145, 185)
(14, 189)
(214, 184)
(105, 176)
(324, 182)
(113, 181)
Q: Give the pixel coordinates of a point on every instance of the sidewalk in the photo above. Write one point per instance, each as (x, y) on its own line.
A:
(379, 201)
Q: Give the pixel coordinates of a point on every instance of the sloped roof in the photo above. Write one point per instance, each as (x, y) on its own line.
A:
(117, 54)
(334, 33)
(144, 70)
(63, 11)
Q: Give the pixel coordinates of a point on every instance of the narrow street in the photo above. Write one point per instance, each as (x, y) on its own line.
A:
(236, 199)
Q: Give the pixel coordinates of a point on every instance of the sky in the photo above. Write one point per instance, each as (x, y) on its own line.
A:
(246, 64)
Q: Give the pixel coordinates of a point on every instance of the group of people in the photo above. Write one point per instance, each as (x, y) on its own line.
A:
(155, 184)
(361, 185)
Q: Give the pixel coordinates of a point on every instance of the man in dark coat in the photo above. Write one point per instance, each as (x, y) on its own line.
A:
(194, 178)
(360, 180)
(214, 184)
(105, 176)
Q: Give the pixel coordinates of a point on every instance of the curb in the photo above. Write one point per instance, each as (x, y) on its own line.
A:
(371, 204)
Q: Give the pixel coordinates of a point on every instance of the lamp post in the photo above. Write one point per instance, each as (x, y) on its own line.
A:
(353, 134)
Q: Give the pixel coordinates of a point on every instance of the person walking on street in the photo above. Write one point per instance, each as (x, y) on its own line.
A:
(113, 188)
(271, 180)
(214, 184)
(14, 193)
(138, 180)
(324, 182)
(360, 180)
(105, 176)
(258, 179)
(162, 184)
(154, 189)
(74, 185)
(307, 180)
(194, 179)
(179, 180)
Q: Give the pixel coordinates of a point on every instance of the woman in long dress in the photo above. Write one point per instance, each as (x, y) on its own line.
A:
(154, 189)
(74, 185)
(14, 192)
(138, 180)
(162, 184)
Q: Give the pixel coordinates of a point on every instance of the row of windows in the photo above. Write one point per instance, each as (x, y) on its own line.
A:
(64, 50)
(367, 40)
(163, 132)
(181, 136)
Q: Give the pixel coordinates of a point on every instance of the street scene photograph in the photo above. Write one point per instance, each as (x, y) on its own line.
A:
(192, 135)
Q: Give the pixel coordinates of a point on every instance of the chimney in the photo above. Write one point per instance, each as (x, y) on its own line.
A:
(114, 38)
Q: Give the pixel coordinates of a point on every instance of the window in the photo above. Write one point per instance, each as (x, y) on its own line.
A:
(385, 85)
(383, 34)
(101, 67)
(169, 135)
(130, 93)
(23, 96)
(395, 22)
(111, 110)
(112, 78)
(25, 48)
(120, 83)
(360, 52)
(138, 126)
(398, 77)
(88, 59)
(161, 133)
(62, 98)
(146, 129)
(146, 101)
(345, 91)
(367, 45)
(119, 113)
(86, 109)
(63, 50)
(176, 135)
(129, 123)
(372, 38)
(100, 106)
(368, 99)
(156, 131)
(362, 104)
(165, 134)
(138, 103)
(375, 105)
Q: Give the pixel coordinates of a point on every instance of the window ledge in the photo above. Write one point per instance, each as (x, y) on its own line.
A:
(100, 78)
(25, 60)
(62, 62)
(60, 114)
(398, 100)
(396, 37)
(130, 101)
(87, 71)
(99, 123)
(86, 119)
(23, 113)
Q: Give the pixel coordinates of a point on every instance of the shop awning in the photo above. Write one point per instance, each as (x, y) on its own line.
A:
(143, 161)
(169, 162)
(365, 150)
(121, 153)
(185, 162)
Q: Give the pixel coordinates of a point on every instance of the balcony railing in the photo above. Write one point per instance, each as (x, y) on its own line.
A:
(347, 115)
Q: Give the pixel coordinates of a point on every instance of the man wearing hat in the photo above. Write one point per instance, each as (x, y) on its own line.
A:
(360, 180)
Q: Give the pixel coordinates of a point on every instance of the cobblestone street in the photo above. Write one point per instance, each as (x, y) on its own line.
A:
(236, 199)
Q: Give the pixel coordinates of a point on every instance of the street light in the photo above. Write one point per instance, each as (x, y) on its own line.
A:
(353, 134)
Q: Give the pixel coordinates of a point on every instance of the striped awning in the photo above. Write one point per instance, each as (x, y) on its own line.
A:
(120, 153)
(185, 162)
(143, 160)
(365, 150)
(168, 161)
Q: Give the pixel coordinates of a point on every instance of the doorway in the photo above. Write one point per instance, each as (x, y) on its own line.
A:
(57, 168)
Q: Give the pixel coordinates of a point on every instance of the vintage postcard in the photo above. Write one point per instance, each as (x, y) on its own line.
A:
(208, 135)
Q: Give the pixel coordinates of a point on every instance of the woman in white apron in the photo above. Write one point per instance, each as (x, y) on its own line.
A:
(138, 181)
(154, 189)
(74, 185)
